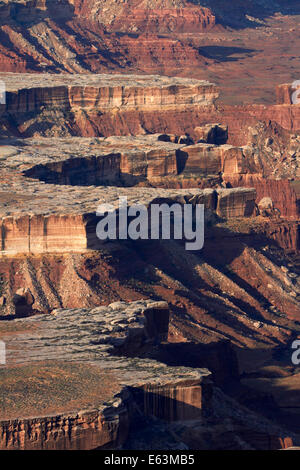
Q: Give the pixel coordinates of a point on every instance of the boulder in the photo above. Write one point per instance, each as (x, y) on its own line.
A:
(23, 301)
(266, 206)
(211, 134)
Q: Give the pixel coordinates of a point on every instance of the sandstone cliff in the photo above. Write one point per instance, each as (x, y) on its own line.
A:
(155, 16)
(119, 386)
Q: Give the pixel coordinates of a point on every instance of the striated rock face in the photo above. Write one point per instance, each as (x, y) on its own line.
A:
(91, 104)
(93, 170)
(176, 401)
(187, 19)
(88, 107)
(115, 160)
(239, 118)
(38, 234)
(286, 233)
(104, 92)
(70, 36)
(84, 430)
(236, 203)
(149, 164)
(206, 159)
(136, 15)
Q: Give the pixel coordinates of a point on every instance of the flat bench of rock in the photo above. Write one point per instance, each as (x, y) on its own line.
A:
(30, 92)
(102, 341)
(65, 231)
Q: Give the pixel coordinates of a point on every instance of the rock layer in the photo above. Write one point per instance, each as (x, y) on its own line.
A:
(69, 168)
(105, 339)
(65, 233)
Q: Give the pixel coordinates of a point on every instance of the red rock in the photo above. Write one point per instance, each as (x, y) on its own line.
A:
(282, 194)
(284, 93)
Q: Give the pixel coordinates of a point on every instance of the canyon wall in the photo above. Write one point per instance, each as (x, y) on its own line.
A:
(123, 105)
(40, 233)
(78, 117)
(281, 192)
(183, 401)
(95, 170)
(208, 159)
(104, 92)
(77, 232)
(100, 104)
(240, 117)
(149, 164)
(77, 36)
(85, 430)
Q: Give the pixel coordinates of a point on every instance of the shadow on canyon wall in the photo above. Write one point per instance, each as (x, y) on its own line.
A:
(221, 248)
(85, 171)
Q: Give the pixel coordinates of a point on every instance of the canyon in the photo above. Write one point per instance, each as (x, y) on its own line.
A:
(168, 102)
(174, 395)
(246, 49)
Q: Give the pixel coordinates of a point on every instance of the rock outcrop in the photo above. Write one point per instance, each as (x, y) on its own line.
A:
(104, 92)
(23, 301)
(59, 232)
(95, 171)
(156, 17)
(100, 345)
(235, 202)
(281, 192)
(104, 345)
(208, 159)
(96, 104)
